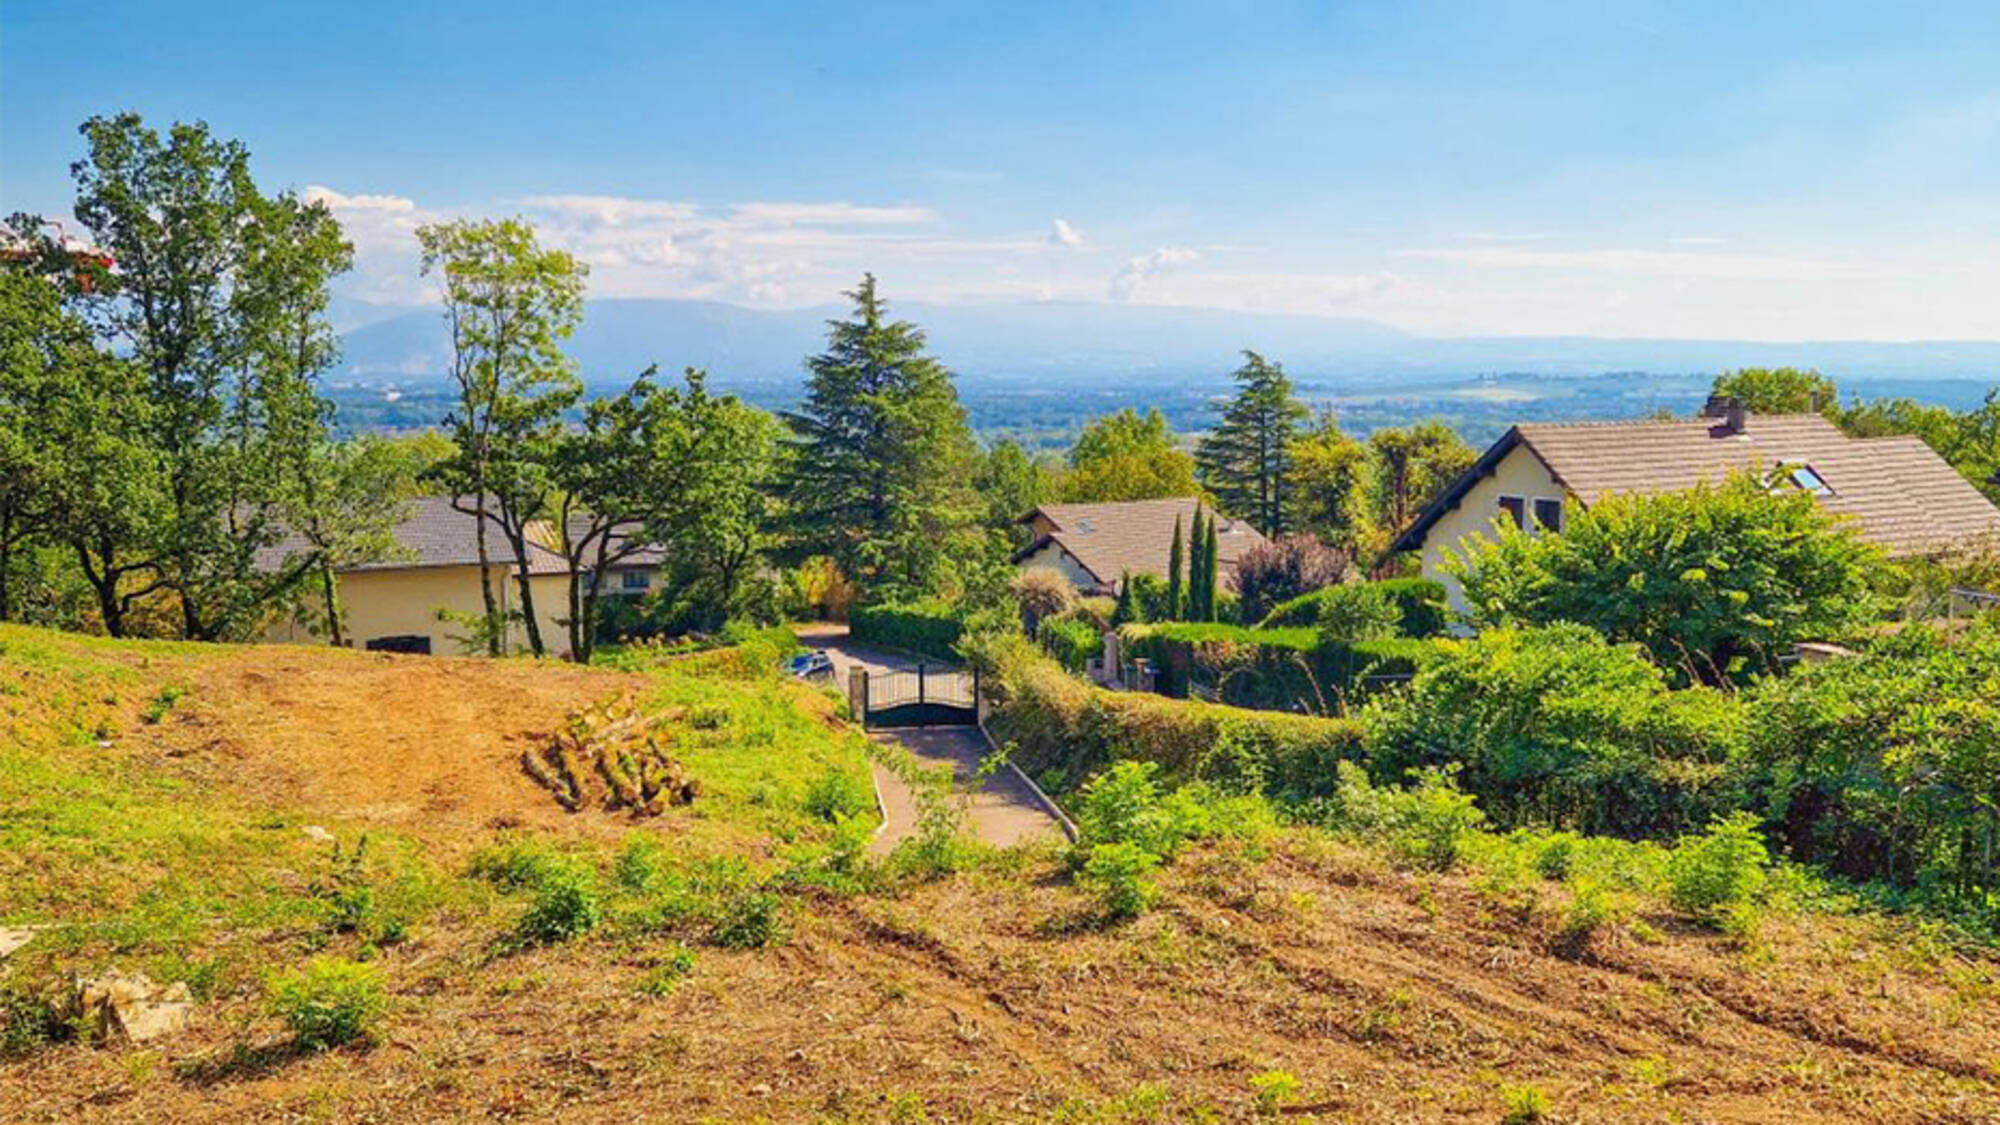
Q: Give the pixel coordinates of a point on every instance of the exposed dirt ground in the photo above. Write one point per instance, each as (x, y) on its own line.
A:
(410, 742)
(1391, 996)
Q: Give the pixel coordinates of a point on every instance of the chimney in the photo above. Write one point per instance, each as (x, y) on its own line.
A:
(1727, 410)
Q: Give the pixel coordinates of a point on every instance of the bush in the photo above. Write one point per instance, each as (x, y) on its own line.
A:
(1421, 607)
(1431, 825)
(837, 794)
(1555, 726)
(1882, 765)
(1717, 582)
(1058, 723)
(749, 920)
(1285, 568)
(566, 905)
(1119, 875)
(1041, 593)
(1071, 641)
(329, 1002)
(1715, 874)
(1361, 612)
(927, 628)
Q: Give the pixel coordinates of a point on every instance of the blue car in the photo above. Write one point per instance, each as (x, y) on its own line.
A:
(812, 665)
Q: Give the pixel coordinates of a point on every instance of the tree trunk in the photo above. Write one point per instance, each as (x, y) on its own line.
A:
(7, 566)
(332, 605)
(517, 536)
(106, 589)
(495, 627)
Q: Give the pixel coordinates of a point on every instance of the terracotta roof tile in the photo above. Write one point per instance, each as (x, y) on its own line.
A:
(1136, 536)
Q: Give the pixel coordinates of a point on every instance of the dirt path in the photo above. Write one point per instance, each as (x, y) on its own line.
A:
(1002, 809)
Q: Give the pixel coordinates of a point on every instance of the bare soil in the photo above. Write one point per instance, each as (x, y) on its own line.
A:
(994, 995)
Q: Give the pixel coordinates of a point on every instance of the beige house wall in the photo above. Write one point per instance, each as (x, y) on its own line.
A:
(1051, 556)
(1520, 473)
(388, 603)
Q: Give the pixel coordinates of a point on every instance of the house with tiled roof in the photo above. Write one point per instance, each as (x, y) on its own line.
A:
(1898, 493)
(399, 603)
(1095, 545)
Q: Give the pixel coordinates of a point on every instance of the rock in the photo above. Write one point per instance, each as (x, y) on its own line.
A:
(131, 1007)
(317, 834)
(13, 938)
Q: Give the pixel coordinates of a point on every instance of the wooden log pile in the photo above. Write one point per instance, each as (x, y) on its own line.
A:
(610, 756)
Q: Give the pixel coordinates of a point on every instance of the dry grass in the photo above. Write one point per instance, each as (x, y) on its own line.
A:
(992, 995)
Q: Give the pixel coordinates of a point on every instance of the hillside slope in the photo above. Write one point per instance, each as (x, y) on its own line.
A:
(168, 836)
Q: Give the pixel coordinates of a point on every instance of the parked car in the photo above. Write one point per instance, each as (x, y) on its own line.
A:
(812, 665)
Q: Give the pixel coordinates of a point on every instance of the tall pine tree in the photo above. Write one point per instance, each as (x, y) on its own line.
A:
(1197, 606)
(1246, 460)
(1210, 558)
(1176, 592)
(882, 453)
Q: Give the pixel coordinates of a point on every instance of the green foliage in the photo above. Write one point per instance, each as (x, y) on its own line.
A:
(1273, 1089)
(1885, 765)
(751, 920)
(1126, 456)
(1716, 582)
(1419, 603)
(1360, 612)
(1071, 641)
(1524, 1105)
(1432, 824)
(1557, 726)
(881, 456)
(1721, 871)
(567, 905)
(1177, 597)
(1330, 487)
(928, 628)
(1778, 390)
(666, 975)
(1119, 875)
(1246, 460)
(839, 793)
(1408, 468)
(329, 1002)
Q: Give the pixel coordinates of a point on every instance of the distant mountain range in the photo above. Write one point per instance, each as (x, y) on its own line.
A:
(1051, 341)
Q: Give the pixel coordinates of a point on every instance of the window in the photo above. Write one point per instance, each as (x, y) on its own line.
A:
(1548, 515)
(1517, 509)
(633, 579)
(1810, 481)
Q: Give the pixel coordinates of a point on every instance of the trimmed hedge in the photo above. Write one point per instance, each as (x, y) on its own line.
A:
(925, 628)
(1064, 731)
(1420, 604)
(1281, 669)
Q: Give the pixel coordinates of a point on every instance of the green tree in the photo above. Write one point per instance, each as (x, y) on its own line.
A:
(1176, 567)
(1210, 572)
(1717, 582)
(1779, 390)
(509, 303)
(348, 499)
(1246, 461)
(881, 453)
(1408, 468)
(220, 296)
(1126, 456)
(1011, 484)
(1330, 487)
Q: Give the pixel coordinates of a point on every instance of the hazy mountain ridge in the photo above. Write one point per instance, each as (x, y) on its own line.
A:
(620, 337)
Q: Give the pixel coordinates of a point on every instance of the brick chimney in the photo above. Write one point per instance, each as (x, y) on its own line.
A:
(1728, 410)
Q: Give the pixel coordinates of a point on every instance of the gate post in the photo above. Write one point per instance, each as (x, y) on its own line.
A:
(920, 681)
(857, 694)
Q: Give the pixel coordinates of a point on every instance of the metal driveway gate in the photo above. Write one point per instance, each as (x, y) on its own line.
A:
(923, 698)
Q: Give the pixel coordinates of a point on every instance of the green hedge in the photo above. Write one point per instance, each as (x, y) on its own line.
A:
(1420, 604)
(1282, 669)
(1064, 730)
(1072, 641)
(925, 628)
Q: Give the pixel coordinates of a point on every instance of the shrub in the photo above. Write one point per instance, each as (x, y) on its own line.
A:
(749, 920)
(838, 794)
(329, 1002)
(1071, 641)
(1118, 874)
(1041, 593)
(1422, 607)
(1284, 568)
(666, 976)
(1711, 876)
(566, 905)
(1882, 765)
(927, 628)
(1273, 1089)
(516, 863)
(1525, 1105)
(1361, 612)
(1060, 724)
(1716, 582)
(1431, 825)
(1556, 726)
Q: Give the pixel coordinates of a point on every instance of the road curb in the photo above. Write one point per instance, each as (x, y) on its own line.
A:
(1047, 802)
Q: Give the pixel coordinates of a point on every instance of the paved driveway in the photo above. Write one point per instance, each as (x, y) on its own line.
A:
(1002, 809)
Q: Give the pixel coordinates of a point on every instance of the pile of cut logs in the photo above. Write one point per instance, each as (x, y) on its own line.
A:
(608, 754)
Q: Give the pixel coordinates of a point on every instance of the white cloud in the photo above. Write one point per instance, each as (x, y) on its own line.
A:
(338, 201)
(1138, 271)
(1698, 240)
(1506, 236)
(830, 214)
(1651, 263)
(1062, 234)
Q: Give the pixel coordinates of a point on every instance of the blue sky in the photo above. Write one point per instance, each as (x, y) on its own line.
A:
(1763, 171)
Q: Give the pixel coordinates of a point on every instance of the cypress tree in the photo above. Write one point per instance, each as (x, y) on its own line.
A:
(1210, 578)
(1196, 611)
(1122, 613)
(1174, 602)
